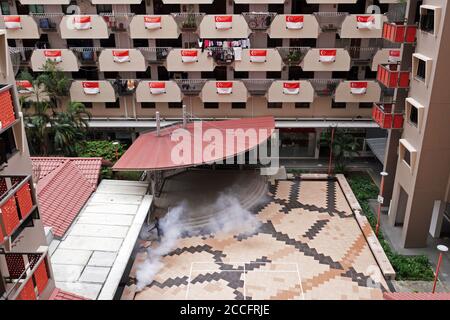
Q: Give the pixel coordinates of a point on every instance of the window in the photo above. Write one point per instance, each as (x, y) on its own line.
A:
(238, 105)
(36, 8)
(302, 105)
(175, 105)
(211, 105)
(414, 112)
(421, 67)
(426, 20)
(365, 105)
(273, 42)
(407, 153)
(273, 75)
(112, 105)
(148, 105)
(413, 116)
(274, 105)
(240, 75)
(4, 6)
(87, 105)
(338, 105)
(407, 157)
(7, 146)
(104, 8)
(140, 43)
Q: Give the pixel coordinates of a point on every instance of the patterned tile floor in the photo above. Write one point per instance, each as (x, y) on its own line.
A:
(308, 247)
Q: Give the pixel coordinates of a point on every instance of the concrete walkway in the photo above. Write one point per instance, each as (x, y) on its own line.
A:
(92, 257)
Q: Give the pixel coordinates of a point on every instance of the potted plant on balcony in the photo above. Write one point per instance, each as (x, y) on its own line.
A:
(294, 57)
(190, 23)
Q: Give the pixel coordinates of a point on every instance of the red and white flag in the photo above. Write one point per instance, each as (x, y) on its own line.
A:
(120, 56)
(82, 22)
(91, 87)
(12, 22)
(223, 22)
(291, 87)
(358, 87)
(294, 22)
(224, 87)
(53, 55)
(189, 56)
(258, 56)
(157, 87)
(24, 86)
(327, 55)
(152, 22)
(365, 22)
(394, 56)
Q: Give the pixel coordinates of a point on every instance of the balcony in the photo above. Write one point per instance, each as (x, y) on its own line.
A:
(20, 57)
(44, 2)
(7, 110)
(386, 119)
(364, 26)
(188, 21)
(87, 56)
(294, 26)
(222, 56)
(187, 60)
(399, 33)
(257, 87)
(292, 56)
(92, 91)
(153, 27)
(124, 87)
(65, 59)
(20, 27)
(362, 57)
(224, 91)
(47, 22)
(158, 91)
(259, 60)
(386, 56)
(224, 27)
(16, 203)
(326, 60)
(117, 22)
(83, 27)
(259, 21)
(190, 87)
(324, 87)
(155, 55)
(391, 77)
(330, 21)
(25, 276)
(357, 92)
(121, 60)
(291, 91)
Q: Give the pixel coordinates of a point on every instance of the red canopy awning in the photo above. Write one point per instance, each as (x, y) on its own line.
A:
(199, 143)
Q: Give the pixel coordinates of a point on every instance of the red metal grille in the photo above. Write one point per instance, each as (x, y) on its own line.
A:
(27, 292)
(10, 215)
(6, 109)
(3, 187)
(15, 264)
(25, 200)
(399, 33)
(41, 277)
(33, 258)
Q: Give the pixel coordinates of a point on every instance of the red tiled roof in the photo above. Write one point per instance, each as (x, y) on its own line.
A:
(64, 186)
(58, 294)
(416, 296)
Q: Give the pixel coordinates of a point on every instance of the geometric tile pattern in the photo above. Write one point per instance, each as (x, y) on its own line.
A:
(309, 246)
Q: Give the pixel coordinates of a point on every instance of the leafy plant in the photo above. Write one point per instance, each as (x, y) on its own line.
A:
(344, 147)
(100, 148)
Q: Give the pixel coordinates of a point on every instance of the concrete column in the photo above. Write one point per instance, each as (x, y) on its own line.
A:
(437, 217)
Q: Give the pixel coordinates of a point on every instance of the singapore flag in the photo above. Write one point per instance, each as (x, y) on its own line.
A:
(157, 87)
(91, 87)
(82, 22)
(189, 56)
(394, 56)
(121, 56)
(291, 87)
(258, 56)
(53, 55)
(24, 86)
(294, 22)
(152, 22)
(223, 22)
(327, 56)
(358, 87)
(224, 87)
(365, 22)
(12, 22)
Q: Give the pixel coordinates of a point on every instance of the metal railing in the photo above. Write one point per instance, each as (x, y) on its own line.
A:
(47, 22)
(325, 87)
(155, 55)
(124, 87)
(20, 57)
(116, 21)
(87, 55)
(257, 87)
(191, 87)
(292, 56)
(330, 21)
(188, 21)
(222, 56)
(259, 21)
(361, 56)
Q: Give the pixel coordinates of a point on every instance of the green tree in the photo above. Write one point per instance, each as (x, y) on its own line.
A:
(344, 147)
(55, 82)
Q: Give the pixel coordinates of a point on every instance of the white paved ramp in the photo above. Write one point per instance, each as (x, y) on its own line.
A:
(92, 257)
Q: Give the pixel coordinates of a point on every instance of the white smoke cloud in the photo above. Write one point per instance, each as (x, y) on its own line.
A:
(229, 216)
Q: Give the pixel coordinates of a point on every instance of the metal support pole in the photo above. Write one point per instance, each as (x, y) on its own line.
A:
(184, 116)
(380, 201)
(158, 123)
(442, 249)
(331, 152)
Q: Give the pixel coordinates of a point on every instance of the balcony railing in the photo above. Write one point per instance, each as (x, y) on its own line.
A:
(222, 56)
(47, 22)
(87, 56)
(26, 276)
(20, 57)
(325, 87)
(362, 57)
(124, 87)
(259, 21)
(384, 116)
(155, 55)
(7, 111)
(117, 22)
(188, 21)
(190, 87)
(257, 87)
(399, 33)
(16, 203)
(390, 76)
(330, 21)
(292, 56)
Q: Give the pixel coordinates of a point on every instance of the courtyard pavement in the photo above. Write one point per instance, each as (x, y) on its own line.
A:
(309, 246)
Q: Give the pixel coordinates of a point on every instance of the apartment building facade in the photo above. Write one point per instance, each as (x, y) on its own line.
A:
(25, 270)
(311, 64)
